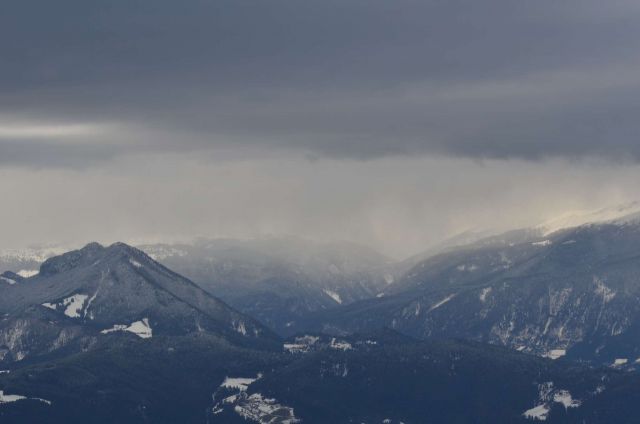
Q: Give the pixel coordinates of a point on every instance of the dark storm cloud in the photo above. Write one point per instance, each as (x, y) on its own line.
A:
(345, 79)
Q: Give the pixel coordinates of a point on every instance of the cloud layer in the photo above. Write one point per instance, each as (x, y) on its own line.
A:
(349, 79)
(400, 206)
(390, 123)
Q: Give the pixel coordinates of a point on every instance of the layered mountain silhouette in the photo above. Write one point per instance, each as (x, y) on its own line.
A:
(573, 292)
(279, 280)
(84, 295)
(111, 334)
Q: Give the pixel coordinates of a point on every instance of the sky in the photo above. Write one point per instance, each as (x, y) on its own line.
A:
(394, 124)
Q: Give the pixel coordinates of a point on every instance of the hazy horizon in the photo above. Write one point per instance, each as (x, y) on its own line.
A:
(581, 215)
(392, 125)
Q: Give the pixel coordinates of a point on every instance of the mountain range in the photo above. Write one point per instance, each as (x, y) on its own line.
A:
(279, 280)
(573, 292)
(536, 324)
(84, 295)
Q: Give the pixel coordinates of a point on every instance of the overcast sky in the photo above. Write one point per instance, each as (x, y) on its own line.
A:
(391, 123)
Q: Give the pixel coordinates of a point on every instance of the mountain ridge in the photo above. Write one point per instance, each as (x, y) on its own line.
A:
(572, 292)
(114, 289)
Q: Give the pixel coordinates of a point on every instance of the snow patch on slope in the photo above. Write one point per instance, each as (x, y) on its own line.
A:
(240, 328)
(542, 243)
(565, 398)
(86, 310)
(442, 302)
(303, 344)
(254, 407)
(340, 345)
(260, 409)
(8, 280)
(603, 291)
(484, 293)
(140, 328)
(546, 396)
(555, 353)
(238, 383)
(540, 412)
(14, 398)
(74, 305)
(333, 295)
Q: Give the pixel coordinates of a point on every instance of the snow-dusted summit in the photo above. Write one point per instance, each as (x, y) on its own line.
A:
(98, 291)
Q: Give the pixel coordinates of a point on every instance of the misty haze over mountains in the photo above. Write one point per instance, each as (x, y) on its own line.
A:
(551, 309)
(319, 212)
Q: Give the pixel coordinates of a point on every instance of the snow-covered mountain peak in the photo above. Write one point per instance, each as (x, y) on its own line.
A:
(620, 214)
(99, 291)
